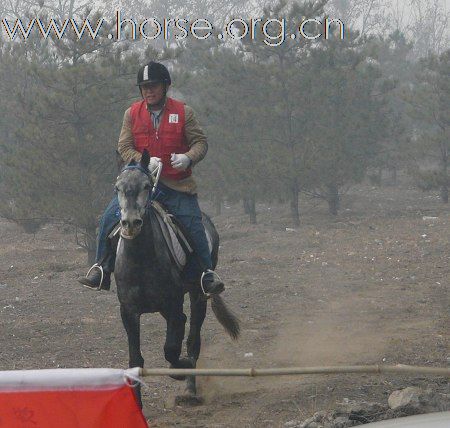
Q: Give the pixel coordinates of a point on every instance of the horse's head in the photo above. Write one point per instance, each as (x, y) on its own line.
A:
(132, 187)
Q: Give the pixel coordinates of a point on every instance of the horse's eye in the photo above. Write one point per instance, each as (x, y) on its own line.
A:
(147, 186)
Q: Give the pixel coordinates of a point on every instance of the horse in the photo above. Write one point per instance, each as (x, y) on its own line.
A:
(148, 281)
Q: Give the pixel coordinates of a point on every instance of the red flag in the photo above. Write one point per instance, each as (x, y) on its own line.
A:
(69, 398)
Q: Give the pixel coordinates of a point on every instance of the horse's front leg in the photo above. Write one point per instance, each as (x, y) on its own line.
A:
(132, 323)
(176, 321)
(198, 313)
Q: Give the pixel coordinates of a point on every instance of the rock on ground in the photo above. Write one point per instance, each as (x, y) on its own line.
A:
(404, 402)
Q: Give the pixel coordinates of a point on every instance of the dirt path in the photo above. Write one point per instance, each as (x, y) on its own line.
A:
(368, 287)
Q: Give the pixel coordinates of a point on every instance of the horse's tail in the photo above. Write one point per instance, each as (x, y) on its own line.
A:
(225, 316)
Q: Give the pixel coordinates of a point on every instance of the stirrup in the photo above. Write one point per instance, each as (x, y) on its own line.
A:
(100, 267)
(208, 295)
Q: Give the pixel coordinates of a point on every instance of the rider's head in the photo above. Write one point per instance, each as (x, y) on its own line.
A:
(153, 80)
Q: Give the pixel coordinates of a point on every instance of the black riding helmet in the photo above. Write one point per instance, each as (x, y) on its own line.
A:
(153, 72)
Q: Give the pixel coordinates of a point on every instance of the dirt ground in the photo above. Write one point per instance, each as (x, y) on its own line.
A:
(367, 287)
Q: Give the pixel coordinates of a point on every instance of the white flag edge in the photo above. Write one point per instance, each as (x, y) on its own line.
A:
(66, 379)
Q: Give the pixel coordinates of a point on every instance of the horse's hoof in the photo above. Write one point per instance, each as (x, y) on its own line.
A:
(188, 400)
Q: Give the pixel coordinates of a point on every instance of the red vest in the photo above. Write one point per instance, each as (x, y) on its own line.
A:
(162, 142)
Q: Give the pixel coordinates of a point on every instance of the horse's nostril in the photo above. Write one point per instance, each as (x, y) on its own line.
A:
(124, 223)
(137, 223)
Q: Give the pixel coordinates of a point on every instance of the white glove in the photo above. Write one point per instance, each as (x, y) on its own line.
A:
(180, 161)
(154, 161)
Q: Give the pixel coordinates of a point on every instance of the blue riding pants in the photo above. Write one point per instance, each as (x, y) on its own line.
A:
(184, 207)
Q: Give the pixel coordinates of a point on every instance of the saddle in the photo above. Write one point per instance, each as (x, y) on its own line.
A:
(176, 237)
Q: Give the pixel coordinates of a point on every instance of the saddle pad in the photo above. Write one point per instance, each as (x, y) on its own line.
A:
(172, 234)
(172, 242)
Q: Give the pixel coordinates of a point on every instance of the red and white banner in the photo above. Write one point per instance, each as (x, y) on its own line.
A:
(69, 398)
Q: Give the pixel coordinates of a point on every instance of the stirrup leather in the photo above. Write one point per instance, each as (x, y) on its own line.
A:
(100, 267)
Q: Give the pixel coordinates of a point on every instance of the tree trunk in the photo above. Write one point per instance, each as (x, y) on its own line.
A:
(252, 210)
(445, 179)
(295, 213)
(333, 199)
(444, 193)
(218, 204)
(393, 176)
(289, 136)
(380, 175)
(245, 205)
(249, 205)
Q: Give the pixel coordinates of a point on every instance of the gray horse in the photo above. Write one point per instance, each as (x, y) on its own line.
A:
(148, 280)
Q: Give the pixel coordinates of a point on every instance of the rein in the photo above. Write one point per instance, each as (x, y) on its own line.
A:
(155, 175)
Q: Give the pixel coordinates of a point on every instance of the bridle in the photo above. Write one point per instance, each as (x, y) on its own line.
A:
(153, 176)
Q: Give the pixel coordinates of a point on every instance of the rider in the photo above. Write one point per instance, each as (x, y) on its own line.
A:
(168, 129)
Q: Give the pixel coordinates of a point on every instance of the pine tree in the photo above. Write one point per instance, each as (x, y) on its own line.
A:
(226, 93)
(348, 112)
(393, 55)
(285, 86)
(430, 109)
(59, 160)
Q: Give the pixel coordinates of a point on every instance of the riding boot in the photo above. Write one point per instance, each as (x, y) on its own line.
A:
(211, 283)
(97, 278)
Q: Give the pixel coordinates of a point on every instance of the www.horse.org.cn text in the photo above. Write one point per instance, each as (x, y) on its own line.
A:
(271, 31)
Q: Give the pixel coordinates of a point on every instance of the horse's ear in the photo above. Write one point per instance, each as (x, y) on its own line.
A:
(145, 159)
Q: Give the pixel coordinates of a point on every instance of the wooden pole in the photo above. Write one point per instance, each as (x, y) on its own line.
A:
(289, 371)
